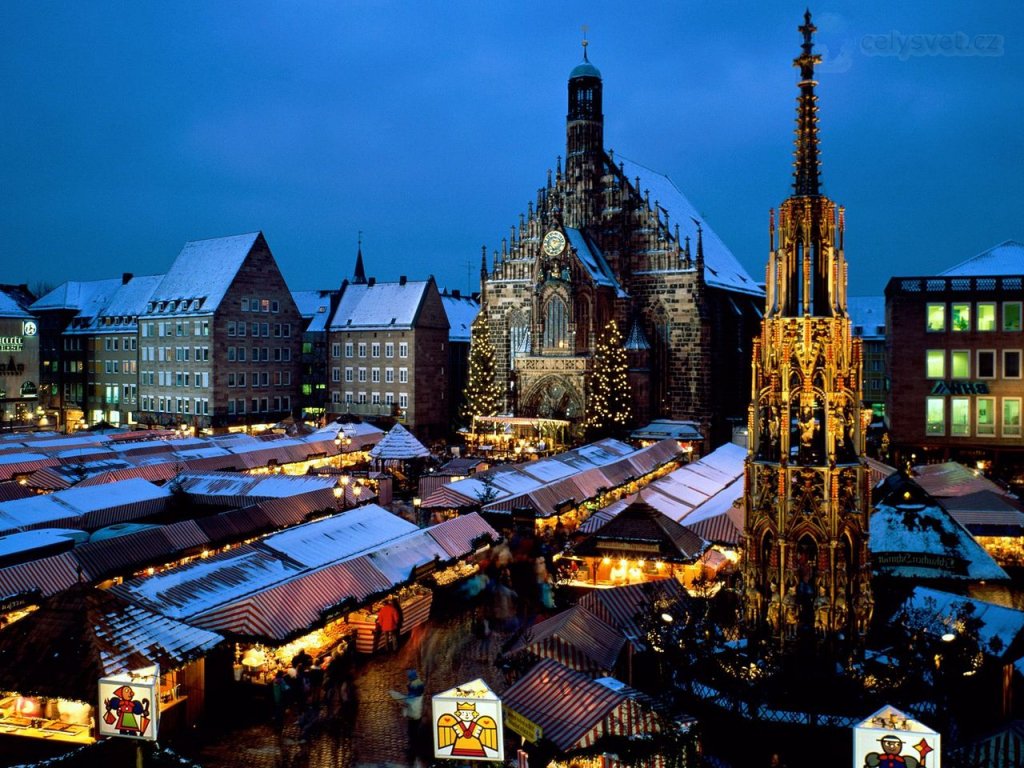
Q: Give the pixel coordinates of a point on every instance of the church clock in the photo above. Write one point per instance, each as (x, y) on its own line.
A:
(554, 243)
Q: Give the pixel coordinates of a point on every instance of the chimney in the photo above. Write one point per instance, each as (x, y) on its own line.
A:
(126, 277)
(456, 294)
(371, 281)
(402, 280)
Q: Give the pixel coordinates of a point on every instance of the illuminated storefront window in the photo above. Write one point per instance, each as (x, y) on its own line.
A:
(936, 317)
(986, 416)
(935, 416)
(960, 416)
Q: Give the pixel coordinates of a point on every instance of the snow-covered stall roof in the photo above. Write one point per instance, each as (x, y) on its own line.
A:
(399, 444)
(1007, 258)
(204, 270)
(912, 537)
(721, 269)
(253, 486)
(1000, 629)
(461, 312)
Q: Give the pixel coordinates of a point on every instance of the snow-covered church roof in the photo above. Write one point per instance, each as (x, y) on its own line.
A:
(721, 268)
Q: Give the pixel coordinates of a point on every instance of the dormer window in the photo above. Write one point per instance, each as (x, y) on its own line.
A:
(149, 307)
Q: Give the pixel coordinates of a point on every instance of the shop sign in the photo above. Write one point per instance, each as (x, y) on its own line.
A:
(11, 343)
(522, 725)
(890, 737)
(130, 704)
(467, 723)
(23, 600)
(959, 388)
(946, 563)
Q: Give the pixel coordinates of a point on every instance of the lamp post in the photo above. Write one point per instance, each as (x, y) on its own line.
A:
(342, 443)
(340, 500)
(416, 503)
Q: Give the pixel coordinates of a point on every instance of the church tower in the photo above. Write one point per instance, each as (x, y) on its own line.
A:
(807, 490)
(584, 144)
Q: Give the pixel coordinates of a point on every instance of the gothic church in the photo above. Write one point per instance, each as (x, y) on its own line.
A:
(606, 239)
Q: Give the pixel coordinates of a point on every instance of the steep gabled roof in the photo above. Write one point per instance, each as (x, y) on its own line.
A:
(642, 524)
(205, 269)
(1007, 258)
(398, 444)
(379, 306)
(721, 269)
(461, 312)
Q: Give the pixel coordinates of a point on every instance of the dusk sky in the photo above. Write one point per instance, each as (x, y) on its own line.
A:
(132, 127)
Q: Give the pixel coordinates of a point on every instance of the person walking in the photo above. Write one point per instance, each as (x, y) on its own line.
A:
(412, 709)
(389, 620)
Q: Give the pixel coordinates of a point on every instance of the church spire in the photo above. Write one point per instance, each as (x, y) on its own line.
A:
(359, 278)
(806, 174)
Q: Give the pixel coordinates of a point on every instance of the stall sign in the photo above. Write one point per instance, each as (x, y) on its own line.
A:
(891, 738)
(130, 704)
(523, 725)
(467, 723)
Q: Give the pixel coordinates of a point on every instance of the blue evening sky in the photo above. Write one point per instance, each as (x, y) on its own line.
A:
(132, 127)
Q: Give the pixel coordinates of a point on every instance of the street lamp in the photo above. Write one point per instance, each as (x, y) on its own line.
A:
(356, 490)
(339, 492)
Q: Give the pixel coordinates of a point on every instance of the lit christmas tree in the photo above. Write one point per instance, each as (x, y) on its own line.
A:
(482, 395)
(608, 407)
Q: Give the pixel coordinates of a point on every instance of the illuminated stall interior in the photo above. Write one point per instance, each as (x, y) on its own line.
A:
(96, 634)
(516, 436)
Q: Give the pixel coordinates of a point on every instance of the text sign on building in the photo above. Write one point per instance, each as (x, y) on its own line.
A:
(12, 343)
(130, 704)
(891, 738)
(959, 388)
(467, 723)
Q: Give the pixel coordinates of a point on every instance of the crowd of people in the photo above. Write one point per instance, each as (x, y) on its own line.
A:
(316, 691)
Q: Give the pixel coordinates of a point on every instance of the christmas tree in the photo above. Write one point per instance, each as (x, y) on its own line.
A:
(608, 407)
(482, 394)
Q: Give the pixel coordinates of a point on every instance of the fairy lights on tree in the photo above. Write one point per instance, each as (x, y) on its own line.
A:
(482, 394)
(608, 407)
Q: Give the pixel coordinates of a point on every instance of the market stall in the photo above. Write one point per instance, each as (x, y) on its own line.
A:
(414, 603)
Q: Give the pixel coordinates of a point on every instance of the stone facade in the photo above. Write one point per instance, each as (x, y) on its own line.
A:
(599, 243)
(19, 357)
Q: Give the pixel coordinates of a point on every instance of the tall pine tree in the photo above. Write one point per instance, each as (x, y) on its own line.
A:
(482, 395)
(608, 407)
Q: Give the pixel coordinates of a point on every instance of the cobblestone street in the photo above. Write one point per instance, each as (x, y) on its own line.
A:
(444, 651)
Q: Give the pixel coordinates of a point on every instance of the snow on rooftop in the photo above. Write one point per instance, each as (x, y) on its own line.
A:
(867, 316)
(593, 260)
(461, 312)
(14, 301)
(130, 299)
(205, 269)
(24, 541)
(1007, 258)
(721, 268)
(87, 297)
(382, 305)
(999, 628)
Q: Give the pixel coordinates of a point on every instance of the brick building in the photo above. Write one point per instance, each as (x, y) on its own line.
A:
(388, 356)
(954, 350)
(220, 339)
(19, 357)
(867, 314)
(608, 238)
(461, 312)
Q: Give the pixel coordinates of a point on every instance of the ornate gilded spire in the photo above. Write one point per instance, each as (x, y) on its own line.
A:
(807, 165)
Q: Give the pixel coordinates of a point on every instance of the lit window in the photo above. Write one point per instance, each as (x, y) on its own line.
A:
(960, 416)
(986, 416)
(936, 317)
(935, 364)
(960, 318)
(987, 316)
(960, 363)
(1011, 315)
(1011, 417)
(935, 416)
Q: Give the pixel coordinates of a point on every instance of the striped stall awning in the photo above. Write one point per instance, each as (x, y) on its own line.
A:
(1003, 749)
(574, 711)
(155, 473)
(297, 605)
(720, 529)
(447, 498)
(48, 576)
(49, 479)
(124, 513)
(575, 638)
(456, 536)
(620, 606)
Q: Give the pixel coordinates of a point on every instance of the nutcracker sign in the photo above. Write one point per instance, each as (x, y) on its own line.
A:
(891, 739)
(130, 704)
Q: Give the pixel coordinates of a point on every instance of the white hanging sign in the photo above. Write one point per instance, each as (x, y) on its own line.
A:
(130, 704)
(467, 723)
(891, 739)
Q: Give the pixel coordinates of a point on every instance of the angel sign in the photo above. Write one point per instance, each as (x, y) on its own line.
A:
(468, 733)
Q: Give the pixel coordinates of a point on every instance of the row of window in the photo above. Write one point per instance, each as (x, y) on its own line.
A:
(174, 328)
(198, 379)
(987, 316)
(175, 354)
(960, 364)
(375, 398)
(260, 379)
(115, 344)
(115, 394)
(260, 305)
(260, 405)
(259, 354)
(197, 405)
(120, 366)
(359, 374)
(991, 416)
(389, 349)
(259, 329)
